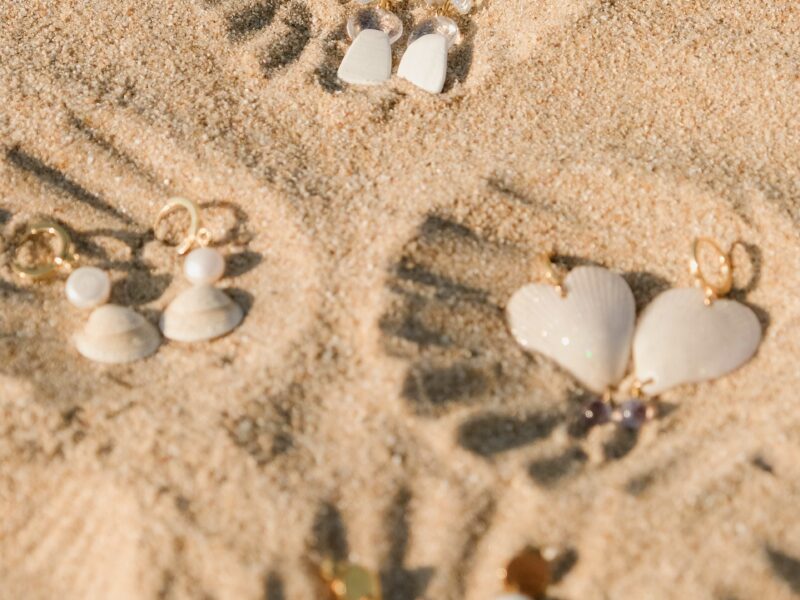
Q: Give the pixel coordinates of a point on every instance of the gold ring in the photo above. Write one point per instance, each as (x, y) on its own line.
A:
(64, 257)
(196, 234)
(712, 290)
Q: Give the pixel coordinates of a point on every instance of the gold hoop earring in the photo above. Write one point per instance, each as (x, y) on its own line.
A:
(113, 334)
(202, 312)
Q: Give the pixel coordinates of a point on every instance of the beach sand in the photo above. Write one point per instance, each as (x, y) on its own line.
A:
(373, 404)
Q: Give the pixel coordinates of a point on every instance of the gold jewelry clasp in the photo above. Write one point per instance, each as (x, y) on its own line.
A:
(712, 291)
(637, 388)
(197, 234)
(552, 274)
(64, 257)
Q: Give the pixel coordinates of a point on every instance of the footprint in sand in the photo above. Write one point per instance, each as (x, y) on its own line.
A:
(275, 33)
(446, 318)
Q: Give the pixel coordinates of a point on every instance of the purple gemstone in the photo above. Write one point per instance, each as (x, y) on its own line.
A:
(633, 414)
(596, 413)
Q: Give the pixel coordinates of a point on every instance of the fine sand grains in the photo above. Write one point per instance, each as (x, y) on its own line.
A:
(373, 405)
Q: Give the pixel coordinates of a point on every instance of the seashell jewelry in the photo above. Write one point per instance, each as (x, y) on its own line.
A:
(113, 334)
(424, 62)
(585, 323)
(373, 30)
(203, 312)
(689, 335)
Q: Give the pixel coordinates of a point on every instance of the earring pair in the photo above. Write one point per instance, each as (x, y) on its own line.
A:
(374, 29)
(525, 577)
(116, 334)
(586, 322)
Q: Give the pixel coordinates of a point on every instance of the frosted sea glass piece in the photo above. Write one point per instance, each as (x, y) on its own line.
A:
(368, 61)
(425, 62)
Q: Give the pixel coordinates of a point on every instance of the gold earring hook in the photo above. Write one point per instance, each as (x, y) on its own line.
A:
(712, 291)
(197, 234)
(552, 274)
(64, 257)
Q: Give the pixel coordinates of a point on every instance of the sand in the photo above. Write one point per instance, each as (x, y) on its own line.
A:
(373, 405)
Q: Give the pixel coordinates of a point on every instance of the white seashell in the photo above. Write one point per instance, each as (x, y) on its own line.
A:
(682, 340)
(368, 61)
(425, 63)
(116, 334)
(202, 312)
(588, 332)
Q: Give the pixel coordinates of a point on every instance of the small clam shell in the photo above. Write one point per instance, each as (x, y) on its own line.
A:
(681, 340)
(202, 312)
(588, 332)
(116, 334)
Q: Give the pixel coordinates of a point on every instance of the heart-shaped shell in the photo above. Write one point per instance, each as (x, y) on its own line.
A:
(680, 339)
(588, 332)
(116, 334)
(202, 312)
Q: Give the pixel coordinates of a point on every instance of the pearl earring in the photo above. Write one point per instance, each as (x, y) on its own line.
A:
(203, 312)
(113, 334)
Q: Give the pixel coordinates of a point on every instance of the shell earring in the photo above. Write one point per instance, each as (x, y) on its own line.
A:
(585, 323)
(202, 312)
(373, 30)
(689, 335)
(113, 334)
(424, 62)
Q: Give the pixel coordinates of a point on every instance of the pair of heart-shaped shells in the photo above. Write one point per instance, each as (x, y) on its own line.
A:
(591, 330)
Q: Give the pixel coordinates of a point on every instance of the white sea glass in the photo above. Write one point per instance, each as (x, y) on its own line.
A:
(425, 63)
(588, 332)
(368, 61)
(680, 339)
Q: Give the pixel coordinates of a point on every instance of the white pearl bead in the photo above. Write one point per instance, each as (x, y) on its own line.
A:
(88, 287)
(203, 266)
